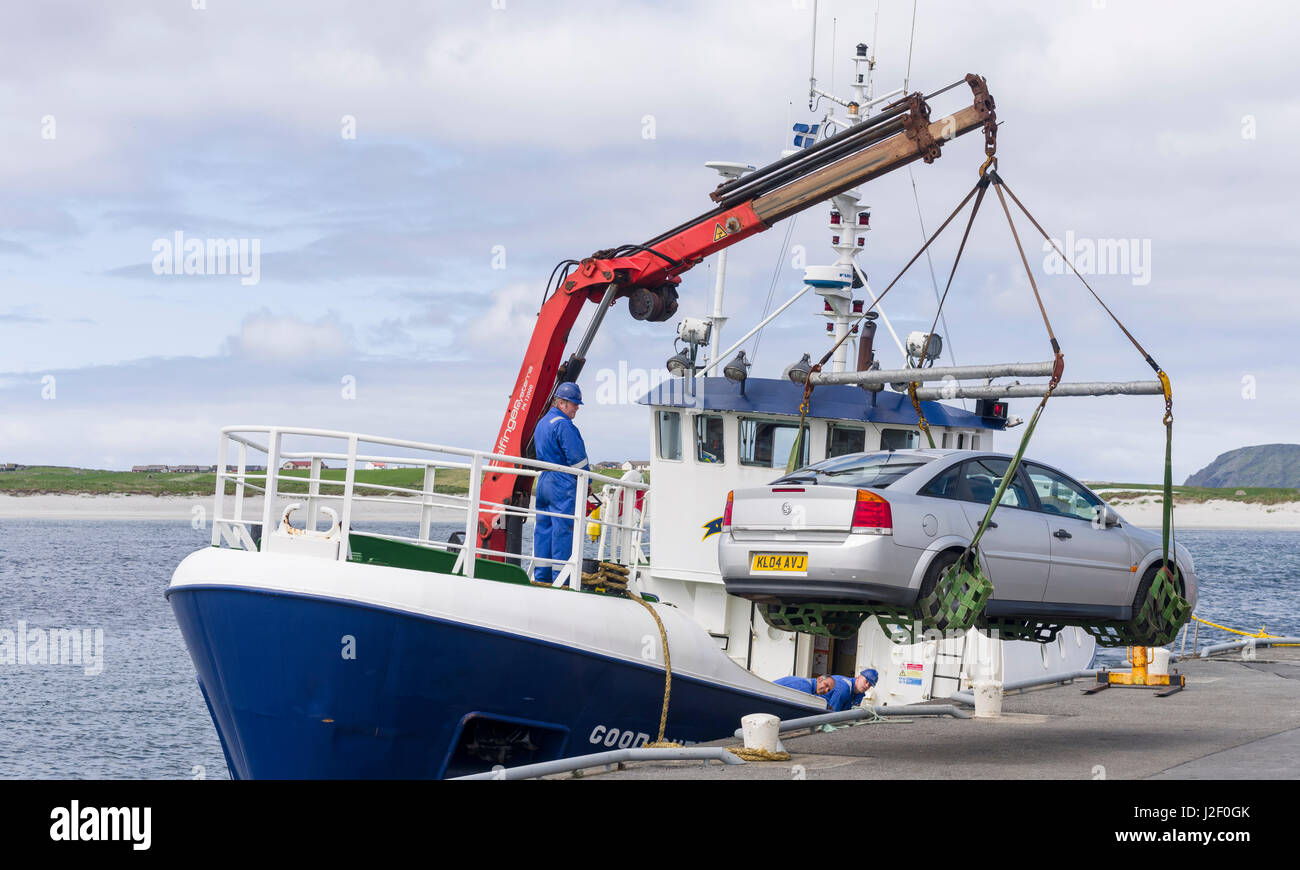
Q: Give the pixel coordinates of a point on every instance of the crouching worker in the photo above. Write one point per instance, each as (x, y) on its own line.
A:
(848, 693)
(821, 685)
(557, 441)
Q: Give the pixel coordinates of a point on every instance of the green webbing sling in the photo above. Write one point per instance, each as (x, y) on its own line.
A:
(959, 597)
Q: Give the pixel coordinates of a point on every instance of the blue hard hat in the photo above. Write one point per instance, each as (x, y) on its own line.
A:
(569, 392)
(871, 675)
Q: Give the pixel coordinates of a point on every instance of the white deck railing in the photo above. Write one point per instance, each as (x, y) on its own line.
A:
(622, 525)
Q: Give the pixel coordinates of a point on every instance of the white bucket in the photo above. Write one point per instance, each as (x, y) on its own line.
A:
(760, 730)
(988, 698)
(1159, 666)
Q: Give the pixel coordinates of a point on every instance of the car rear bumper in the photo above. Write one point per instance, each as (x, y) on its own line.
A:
(855, 569)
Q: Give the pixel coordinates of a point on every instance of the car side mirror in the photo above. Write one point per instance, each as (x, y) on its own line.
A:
(1105, 517)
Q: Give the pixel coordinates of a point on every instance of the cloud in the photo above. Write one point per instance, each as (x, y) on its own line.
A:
(480, 127)
(266, 337)
(22, 314)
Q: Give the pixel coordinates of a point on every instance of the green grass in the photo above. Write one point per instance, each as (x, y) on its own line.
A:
(1197, 494)
(48, 480)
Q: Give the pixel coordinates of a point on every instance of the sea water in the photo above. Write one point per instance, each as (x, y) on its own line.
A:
(131, 707)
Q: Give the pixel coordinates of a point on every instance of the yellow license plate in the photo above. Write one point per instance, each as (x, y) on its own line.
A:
(778, 562)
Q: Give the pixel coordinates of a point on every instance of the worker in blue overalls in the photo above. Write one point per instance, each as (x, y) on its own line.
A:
(557, 441)
(821, 685)
(848, 693)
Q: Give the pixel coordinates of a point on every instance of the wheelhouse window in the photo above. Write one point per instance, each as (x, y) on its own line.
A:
(980, 479)
(1059, 495)
(669, 427)
(899, 439)
(842, 440)
(708, 438)
(867, 470)
(768, 443)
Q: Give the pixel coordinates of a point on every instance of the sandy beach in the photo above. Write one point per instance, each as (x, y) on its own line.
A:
(1145, 513)
(1214, 514)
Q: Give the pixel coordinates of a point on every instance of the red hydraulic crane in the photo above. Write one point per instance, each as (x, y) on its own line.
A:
(648, 274)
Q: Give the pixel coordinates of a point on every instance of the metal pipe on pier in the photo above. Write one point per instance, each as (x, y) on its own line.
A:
(616, 756)
(1021, 391)
(967, 697)
(1211, 649)
(865, 712)
(934, 373)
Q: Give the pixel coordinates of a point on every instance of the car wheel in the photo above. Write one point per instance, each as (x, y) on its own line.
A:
(1144, 586)
(936, 570)
(1151, 627)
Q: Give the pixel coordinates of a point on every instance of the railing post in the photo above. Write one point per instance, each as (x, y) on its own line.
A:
(240, 470)
(221, 491)
(579, 531)
(469, 550)
(426, 504)
(349, 480)
(313, 491)
(272, 484)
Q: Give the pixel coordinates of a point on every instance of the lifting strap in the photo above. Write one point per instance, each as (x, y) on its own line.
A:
(1167, 518)
(964, 565)
(982, 186)
(807, 393)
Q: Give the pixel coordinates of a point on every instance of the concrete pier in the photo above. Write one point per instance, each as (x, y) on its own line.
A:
(1237, 719)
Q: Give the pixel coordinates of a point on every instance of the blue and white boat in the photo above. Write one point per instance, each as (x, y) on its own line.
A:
(385, 646)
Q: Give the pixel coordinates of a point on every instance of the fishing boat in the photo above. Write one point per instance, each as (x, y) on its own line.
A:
(346, 628)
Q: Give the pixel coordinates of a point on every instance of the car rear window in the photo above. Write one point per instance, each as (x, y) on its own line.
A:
(866, 470)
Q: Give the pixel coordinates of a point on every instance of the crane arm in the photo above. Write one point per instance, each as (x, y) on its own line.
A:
(648, 274)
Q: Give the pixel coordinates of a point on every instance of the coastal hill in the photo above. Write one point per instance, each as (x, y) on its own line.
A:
(1273, 465)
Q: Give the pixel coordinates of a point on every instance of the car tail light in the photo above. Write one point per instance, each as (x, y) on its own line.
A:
(871, 514)
(726, 513)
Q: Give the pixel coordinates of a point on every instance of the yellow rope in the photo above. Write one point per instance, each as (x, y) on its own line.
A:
(758, 754)
(612, 578)
(1260, 633)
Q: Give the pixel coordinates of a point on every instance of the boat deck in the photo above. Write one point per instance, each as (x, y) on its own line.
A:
(1235, 720)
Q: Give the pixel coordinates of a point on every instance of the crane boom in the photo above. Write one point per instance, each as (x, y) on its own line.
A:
(648, 274)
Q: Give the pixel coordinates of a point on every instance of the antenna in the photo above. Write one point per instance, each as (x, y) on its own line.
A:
(834, 21)
(911, 39)
(812, 64)
(871, 64)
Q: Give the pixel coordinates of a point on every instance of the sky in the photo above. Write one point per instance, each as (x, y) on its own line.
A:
(405, 175)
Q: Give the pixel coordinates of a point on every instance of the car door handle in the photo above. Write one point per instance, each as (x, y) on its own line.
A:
(1062, 534)
(993, 525)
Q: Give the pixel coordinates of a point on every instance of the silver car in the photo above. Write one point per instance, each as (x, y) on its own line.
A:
(880, 528)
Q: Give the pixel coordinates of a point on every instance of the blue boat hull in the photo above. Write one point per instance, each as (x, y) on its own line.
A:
(307, 687)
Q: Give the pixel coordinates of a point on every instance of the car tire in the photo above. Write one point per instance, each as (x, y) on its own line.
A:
(937, 567)
(1144, 585)
(1144, 589)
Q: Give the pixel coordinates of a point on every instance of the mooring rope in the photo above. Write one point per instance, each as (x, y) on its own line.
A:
(612, 578)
